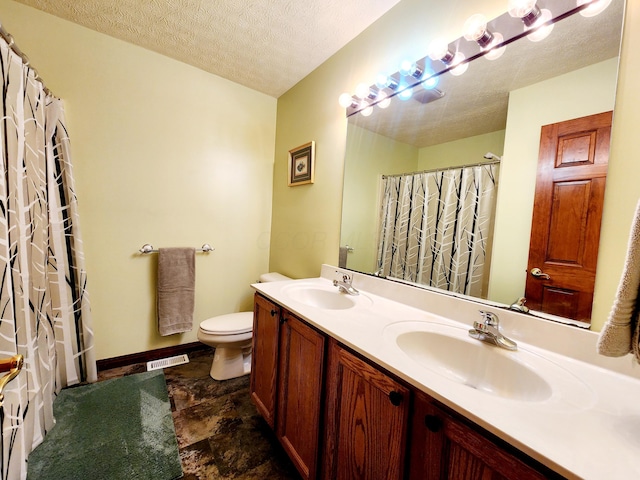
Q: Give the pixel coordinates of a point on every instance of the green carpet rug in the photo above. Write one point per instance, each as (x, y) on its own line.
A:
(119, 429)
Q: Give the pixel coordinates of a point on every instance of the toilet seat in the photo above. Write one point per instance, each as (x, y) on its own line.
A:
(229, 324)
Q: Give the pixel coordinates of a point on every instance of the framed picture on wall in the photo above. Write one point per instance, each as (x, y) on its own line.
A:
(302, 164)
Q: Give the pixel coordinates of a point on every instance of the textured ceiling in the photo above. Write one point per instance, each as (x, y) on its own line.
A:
(266, 45)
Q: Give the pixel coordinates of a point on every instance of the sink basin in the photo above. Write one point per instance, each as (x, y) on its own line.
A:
(476, 365)
(328, 298)
(520, 375)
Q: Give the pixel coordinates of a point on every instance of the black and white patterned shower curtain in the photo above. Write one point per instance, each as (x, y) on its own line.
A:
(44, 306)
(436, 227)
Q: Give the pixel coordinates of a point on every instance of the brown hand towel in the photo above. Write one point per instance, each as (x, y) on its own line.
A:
(176, 289)
(620, 335)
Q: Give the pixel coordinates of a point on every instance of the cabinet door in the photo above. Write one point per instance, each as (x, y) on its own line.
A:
(445, 448)
(299, 392)
(366, 420)
(264, 359)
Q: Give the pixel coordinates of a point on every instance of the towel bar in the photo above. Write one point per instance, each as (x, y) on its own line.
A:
(148, 248)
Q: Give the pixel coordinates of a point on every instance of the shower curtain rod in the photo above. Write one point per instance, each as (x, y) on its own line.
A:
(7, 37)
(492, 162)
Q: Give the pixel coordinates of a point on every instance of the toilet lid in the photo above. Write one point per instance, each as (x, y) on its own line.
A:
(230, 324)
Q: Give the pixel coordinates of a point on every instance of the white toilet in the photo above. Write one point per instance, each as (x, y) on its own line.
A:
(230, 335)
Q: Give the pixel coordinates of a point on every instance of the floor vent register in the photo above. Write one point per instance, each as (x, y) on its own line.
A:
(167, 362)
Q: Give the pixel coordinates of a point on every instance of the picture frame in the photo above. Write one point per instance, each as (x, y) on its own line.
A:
(302, 165)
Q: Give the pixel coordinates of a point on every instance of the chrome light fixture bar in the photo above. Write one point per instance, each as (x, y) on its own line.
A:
(524, 18)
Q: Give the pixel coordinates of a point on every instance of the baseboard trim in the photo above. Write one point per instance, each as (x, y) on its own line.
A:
(143, 357)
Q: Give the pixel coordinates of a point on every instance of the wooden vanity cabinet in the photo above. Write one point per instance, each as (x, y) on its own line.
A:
(264, 357)
(286, 381)
(365, 422)
(300, 376)
(371, 425)
(445, 447)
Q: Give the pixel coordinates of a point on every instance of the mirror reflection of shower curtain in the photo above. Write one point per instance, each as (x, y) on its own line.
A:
(436, 227)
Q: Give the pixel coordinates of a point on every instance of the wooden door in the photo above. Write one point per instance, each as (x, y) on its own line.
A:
(567, 212)
(300, 392)
(266, 327)
(365, 422)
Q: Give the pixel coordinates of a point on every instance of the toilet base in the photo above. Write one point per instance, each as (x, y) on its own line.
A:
(230, 362)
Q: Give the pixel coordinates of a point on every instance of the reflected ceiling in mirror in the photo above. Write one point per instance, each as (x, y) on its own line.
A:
(476, 102)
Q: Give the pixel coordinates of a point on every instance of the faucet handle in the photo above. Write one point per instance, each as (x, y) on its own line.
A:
(490, 318)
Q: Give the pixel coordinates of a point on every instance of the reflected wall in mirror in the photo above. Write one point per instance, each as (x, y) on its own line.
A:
(496, 106)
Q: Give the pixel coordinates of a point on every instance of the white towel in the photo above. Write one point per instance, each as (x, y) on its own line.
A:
(176, 290)
(620, 335)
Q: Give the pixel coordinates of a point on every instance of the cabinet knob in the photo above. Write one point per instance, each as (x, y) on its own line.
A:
(433, 423)
(283, 319)
(273, 313)
(395, 398)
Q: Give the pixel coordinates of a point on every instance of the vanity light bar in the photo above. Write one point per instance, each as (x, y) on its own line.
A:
(487, 40)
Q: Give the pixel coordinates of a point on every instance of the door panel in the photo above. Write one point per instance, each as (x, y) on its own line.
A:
(565, 229)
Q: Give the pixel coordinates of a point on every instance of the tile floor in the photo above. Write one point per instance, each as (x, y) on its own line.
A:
(220, 433)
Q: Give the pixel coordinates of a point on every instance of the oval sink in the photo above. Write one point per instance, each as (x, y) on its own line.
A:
(476, 365)
(328, 298)
(520, 375)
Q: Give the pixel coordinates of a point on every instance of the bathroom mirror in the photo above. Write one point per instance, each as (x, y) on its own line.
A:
(474, 117)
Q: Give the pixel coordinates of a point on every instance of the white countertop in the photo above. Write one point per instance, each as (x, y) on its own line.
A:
(589, 427)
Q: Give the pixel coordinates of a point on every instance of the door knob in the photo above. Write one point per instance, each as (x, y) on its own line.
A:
(536, 272)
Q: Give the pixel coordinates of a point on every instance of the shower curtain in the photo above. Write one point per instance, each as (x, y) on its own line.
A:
(44, 306)
(436, 227)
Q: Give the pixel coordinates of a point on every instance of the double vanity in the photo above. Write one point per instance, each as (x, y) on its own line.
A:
(390, 384)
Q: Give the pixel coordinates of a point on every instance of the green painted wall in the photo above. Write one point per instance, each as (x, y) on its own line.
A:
(461, 152)
(577, 94)
(305, 231)
(163, 153)
(369, 157)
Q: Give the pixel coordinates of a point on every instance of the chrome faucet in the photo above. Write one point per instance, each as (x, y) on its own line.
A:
(519, 305)
(489, 331)
(345, 285)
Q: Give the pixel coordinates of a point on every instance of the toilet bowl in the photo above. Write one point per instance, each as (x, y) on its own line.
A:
(231, 336)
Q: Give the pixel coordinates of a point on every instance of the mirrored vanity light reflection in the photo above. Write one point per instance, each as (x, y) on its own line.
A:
(487, 39)
(577, 44)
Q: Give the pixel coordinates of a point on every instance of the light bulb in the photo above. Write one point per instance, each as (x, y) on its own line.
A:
(405, 67)
(595, 8)
(526, 10)
(475, 30)
(382, 80)
(520, 8)
(366, 109)
(439, 50)
(493, 53)
(362, 90)
(386, 81)
(346, 100)
(459, 69)
(542, 32)
(383, 100)
(409, 68)
(406, 93)
(431, 80)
